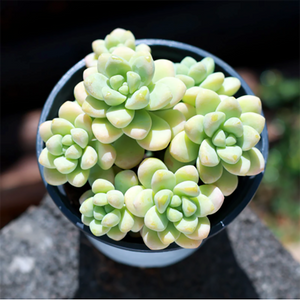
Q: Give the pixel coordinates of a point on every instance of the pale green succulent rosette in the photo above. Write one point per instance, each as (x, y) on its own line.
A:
(201, 74)
(173, 206)
(126, 94)
(71, 150)
(222, 138)
(103, 210)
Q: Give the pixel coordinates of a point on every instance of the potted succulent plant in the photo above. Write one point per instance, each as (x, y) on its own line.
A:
(162, 147)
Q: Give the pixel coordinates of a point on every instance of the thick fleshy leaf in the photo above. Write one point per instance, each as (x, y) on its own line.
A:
(186, 109)
(212, 122)
(97, 228)
(213, 81)
(159, 97)
(187, 80)
(188, 207)
(119, 116)
(140, 126)
(102, 186)
(151, 239)
(206, 101)
(208, 154)
(130, 196)
(257, 162)
(188, 61)
(116, 234)
(204, 205)
(53, 177)
(105, 132)
(96, 172)
(88, 71)
(163, 68)
(94, 84)
(94, 107)
(86, 220)
(191, 95)
(61, 126)
(127, 220)
(181, 69)
(169, 235)
(159, 135)
(80, 92)
(249, 139)
(129, 152)
(142, 63)
(234, 126)
(219, 138)
(209, 64)
(65, 165)
(197, 72)
(174, 118)
(67, 140)
(202, 230)
(117, 65)
(124, 52)
(241, 167)
(125, 180)
(227, 183)
(194, 129)
(175, 201)
(99, 47)
(147, 168)
(116, 81)
(80, 137)
(174, 215)
(214, 194)
(230, 107)
(230, 86)
(230, 154)
(163, 179)
(84, 121)
(133, 81)
(87, 207)
(45, 130)
(162, 199)
(73, 152)
(187, 188)
(156, 221)
(187, 173)
(101, 63)
(187, 225)
(54, 145)
(78, 177)
(253, 120)
(46, 159)
(184, 242)
(112, 97)
(177, 88)
(69, 111)
(106, 154)
(138, 224)
(142, 202)
(250, 103)
(100, 199)
(183, 149)
(172, 164)
(89, 158)
(140, 99)
(209, 174)
(231, 140)
(115, 199)
(111, 219)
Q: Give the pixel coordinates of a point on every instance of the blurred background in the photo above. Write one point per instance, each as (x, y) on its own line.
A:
(41, 40)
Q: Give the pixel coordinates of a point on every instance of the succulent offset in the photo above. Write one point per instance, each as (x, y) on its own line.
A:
(129, 111)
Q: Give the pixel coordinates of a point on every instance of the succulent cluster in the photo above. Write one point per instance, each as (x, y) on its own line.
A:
(126, 109)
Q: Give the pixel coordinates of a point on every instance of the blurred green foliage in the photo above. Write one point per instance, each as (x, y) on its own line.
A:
(278, 199)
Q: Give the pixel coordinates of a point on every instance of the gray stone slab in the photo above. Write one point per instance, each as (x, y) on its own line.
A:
(44, 256)
(39, 255)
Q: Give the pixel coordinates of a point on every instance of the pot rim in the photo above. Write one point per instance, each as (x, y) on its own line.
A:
(55, 192)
